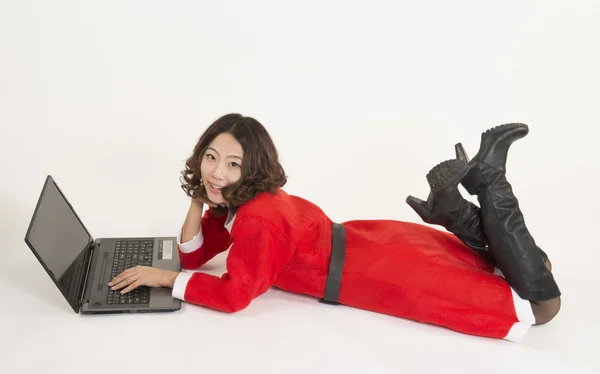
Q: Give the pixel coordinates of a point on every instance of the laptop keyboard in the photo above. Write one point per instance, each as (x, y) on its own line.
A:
(128, 254)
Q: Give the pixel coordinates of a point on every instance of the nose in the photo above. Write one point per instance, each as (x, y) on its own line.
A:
(218, 171)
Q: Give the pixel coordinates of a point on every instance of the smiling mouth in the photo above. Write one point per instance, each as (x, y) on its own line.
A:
(215, 189)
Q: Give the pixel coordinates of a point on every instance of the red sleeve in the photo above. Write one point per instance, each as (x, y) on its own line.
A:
(215, 239)
(259, 252)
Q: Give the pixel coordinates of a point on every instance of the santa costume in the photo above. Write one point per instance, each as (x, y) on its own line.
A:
(466, 278)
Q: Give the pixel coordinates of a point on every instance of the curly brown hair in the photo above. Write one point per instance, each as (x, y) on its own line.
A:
(261, 170)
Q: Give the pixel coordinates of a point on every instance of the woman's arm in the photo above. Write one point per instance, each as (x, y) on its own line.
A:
(202, 237)
(259, 252)
(191, 225)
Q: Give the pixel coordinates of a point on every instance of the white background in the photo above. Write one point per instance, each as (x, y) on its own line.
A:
(361, 98)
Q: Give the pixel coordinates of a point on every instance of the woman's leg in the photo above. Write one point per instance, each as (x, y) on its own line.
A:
(512, 246)
(446, 207)
(545, 310)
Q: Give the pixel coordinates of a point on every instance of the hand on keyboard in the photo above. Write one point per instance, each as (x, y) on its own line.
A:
(138, 276)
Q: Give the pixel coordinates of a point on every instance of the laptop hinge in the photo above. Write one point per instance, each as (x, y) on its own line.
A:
(90, 256)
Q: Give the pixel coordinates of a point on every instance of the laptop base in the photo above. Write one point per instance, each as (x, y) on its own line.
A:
(110, 257)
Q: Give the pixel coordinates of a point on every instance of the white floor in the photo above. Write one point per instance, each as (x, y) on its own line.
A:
(110, 97)
(279, 333)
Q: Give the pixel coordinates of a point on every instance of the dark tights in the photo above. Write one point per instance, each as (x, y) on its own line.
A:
(544, 311)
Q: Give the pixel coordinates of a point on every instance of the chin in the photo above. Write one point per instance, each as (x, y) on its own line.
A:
(217, 199)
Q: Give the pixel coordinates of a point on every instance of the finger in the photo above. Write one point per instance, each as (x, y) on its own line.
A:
(131, 287)
(125, 282)
(124, 275)
(117, 279)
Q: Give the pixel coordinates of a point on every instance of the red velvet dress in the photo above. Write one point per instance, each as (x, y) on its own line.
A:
(402, 269)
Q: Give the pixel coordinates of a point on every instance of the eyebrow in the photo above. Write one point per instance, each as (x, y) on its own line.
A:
(214, 150)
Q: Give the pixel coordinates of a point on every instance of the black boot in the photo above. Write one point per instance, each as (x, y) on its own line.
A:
(446, 207)
(510, 133)
(511, 244)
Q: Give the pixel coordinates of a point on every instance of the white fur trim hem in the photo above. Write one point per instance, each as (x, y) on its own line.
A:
(525, 317)
(524, 313)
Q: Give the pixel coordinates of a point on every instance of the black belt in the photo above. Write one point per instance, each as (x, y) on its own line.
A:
(336, 265)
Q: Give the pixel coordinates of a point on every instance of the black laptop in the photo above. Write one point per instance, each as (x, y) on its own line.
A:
(81, 266)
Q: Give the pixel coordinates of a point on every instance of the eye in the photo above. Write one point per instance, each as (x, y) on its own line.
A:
(234, 164)
(210, 157)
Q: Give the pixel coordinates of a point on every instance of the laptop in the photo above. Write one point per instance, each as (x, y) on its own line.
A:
(82, 266)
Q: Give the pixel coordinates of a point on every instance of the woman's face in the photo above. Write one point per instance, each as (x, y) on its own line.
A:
(220, 165)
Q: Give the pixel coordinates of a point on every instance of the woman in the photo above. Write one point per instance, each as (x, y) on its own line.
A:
(409, 270)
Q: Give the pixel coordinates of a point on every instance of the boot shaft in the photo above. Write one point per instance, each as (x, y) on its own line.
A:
(511, 244)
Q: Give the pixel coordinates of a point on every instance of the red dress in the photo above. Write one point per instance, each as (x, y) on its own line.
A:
(402, 269)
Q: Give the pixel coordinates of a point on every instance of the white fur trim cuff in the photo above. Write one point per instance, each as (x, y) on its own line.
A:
(194, 244)
(180, 284)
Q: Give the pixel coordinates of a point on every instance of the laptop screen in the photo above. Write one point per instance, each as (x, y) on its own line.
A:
(59, 239)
